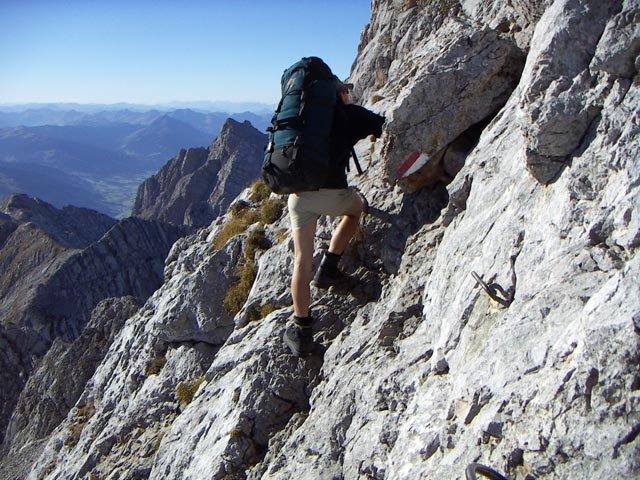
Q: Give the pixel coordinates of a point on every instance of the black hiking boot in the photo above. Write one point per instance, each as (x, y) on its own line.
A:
(331, 278)
(329, 275)
(299, 337)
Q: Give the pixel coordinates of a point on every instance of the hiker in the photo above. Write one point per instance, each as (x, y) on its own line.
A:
(350, 124)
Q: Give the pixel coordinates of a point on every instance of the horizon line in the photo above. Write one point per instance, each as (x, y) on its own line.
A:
(167, 102)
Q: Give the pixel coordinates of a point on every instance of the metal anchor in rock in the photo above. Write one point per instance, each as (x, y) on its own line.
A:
(495, 291)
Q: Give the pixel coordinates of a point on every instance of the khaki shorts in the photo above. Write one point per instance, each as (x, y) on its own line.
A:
(305, 207)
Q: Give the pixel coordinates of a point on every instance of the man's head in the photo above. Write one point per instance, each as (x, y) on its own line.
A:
(343, 90)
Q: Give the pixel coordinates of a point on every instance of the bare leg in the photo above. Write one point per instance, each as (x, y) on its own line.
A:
(347, 227)
(303, 243)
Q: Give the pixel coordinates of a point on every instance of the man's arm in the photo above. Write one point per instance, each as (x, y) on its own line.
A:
(363, 122)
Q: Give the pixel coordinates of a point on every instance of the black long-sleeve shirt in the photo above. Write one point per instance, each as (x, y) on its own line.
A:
(350, 124)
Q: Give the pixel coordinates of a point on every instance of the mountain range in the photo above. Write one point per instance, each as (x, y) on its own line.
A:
(58, 264)
(492, 324)
(96, 159)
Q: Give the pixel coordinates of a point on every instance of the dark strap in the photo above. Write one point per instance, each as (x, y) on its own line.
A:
(355, 160)
(293, 122)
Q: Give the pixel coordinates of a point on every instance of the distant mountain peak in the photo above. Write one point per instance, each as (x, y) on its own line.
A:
(231, 123)
(198, 184)
(167, 120)
(233, 132)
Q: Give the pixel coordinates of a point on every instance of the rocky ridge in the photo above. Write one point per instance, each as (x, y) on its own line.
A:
(35, 240)
(57, 265)
(497, 319)
(199, 184)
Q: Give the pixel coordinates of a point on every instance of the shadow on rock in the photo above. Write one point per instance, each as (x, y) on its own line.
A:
(385, 234)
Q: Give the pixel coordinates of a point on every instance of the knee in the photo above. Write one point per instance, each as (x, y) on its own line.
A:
(302, 262)
(357, 206)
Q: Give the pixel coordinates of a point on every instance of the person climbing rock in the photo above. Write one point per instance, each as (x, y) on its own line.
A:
(351, 123)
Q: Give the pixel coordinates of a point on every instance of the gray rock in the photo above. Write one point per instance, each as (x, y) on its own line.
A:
(618, 49)
(57, 383)
(127, 260)
(72, 227)
(474, 77)
(561, 97)
(165, 348)
(19, 350)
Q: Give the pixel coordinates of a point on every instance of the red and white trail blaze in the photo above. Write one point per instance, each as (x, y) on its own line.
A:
(412, 164)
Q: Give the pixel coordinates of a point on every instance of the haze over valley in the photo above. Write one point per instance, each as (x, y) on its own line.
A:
(96, 156)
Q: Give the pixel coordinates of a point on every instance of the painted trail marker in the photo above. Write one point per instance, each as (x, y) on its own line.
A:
(412, 164)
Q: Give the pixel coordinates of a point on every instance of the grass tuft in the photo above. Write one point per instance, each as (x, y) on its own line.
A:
(266, 211)
(235, 226)
(259, 191)
(186, 391)
(156, 365)
(239, 292)
(271, 210)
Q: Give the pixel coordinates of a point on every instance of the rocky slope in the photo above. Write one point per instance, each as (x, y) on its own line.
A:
(531, 107)
(57, 265)
(35, 240)
(198, 184)
(57, 390)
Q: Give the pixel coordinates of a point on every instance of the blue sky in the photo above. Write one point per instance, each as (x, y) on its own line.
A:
(160, 51)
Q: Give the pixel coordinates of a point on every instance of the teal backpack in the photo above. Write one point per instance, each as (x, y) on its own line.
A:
(297, 158)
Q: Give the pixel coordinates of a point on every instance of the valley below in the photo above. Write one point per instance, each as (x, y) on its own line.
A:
(96, 158)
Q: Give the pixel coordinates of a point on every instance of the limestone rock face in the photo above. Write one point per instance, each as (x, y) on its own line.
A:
(57, 266)
(19, 350)
(164, 349)
(59, 380)
(198, 185)
(35, 240)
(563, 95)
(496, 318)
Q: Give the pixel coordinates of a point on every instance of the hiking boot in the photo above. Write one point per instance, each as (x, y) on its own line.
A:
(328, 274)
(325, 278)
(299, 338)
